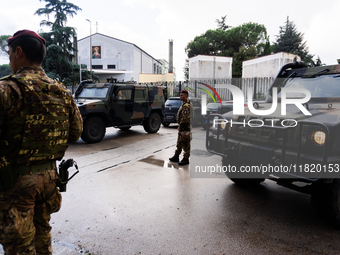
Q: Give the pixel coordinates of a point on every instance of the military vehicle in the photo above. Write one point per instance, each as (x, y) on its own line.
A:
(119, 105)
(296, 150)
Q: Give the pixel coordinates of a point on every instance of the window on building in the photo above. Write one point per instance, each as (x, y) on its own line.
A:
(111, 66)
(97, 66)
(154, 68)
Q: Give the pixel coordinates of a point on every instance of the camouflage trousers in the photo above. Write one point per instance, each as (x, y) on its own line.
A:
(24, 222)
(183, 143)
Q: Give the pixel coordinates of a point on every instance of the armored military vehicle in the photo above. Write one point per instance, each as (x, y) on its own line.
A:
(119, 105)
(297, 145)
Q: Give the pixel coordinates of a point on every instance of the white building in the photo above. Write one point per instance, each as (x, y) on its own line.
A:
(267, 66)
(116, 59)
(210, 67)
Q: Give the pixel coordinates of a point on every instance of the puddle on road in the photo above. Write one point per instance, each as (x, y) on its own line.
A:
(201, 153)
(79, 249)
(159, 162)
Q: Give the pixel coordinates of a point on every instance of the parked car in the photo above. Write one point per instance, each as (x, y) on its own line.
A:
(216, 108)
(172, 106)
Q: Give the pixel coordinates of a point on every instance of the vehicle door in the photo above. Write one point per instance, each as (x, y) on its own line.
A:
(122, 105)
(140, 104)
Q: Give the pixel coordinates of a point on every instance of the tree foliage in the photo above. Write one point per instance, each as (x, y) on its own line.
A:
(60, 39)
(5, 70)
(247, 41)
(290, 40)
(221, 23)
(316, 62)
(186, 69)
(4, 45)
(60, 8)
(243, 54)
(243, 42)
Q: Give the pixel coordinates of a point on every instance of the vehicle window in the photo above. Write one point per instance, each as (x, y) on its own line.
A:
(225, 108)
(212, 106)
(93, 92)
(173, 103)
(123, 94)
(141, 94)
(320, 86)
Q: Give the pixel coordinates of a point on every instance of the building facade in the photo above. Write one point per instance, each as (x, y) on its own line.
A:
(116, 60)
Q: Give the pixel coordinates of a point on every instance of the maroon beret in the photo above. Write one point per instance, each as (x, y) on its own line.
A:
(185, 91)
(25, 33)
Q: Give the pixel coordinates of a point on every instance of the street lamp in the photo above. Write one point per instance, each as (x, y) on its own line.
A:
(90, 48)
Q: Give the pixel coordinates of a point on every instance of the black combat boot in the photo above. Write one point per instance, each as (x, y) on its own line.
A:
(184, 161)
(175, 158)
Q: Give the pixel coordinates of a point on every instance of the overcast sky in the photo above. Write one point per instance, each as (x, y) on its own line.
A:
(150, 24)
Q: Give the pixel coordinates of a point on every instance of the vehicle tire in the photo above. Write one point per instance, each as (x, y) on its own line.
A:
(153, 123)
(241, 181)
(93, 130)
(166, 124)
(125, 128)
(325, 198)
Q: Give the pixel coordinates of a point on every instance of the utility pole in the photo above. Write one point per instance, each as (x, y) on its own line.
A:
(90, 49)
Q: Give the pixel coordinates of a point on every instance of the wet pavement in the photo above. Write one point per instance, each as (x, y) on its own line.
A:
(129, 199)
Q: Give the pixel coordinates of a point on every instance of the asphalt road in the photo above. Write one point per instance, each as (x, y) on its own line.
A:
(129, 199)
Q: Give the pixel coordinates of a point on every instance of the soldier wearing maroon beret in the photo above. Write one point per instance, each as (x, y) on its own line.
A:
(38, 116)
(184, 129)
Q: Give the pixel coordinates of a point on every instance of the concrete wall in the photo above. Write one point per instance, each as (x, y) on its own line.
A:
(129, 60)
(267, 66)
(210, 67)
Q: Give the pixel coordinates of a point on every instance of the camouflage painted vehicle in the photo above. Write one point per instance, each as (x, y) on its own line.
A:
(119, 105)
(291, 149)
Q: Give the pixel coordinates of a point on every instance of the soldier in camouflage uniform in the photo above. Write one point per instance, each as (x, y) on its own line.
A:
(184, 128)
(38, 116)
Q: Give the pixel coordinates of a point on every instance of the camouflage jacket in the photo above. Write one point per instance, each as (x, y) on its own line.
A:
(37, 118)
(183, 116)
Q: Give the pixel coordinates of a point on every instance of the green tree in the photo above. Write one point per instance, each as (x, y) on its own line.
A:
(317, 62)
(60, 39)
(186, 70)
(221, 23)
(291, 41)
(243, 54)
(267, 49)
(5, 70)
(249, 40)
(4, 45)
